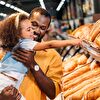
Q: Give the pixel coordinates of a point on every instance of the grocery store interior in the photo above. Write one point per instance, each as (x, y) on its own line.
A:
(70, 19)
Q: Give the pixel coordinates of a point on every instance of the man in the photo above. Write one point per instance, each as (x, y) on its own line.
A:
(45, 66)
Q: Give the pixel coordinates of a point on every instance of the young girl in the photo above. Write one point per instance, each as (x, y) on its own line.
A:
(17, 29)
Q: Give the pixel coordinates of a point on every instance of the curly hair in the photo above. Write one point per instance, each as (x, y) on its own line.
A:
(9, 29)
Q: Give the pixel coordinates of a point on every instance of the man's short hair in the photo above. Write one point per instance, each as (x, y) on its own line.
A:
(41, 11)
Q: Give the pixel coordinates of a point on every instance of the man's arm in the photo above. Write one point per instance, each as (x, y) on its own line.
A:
(44, 83)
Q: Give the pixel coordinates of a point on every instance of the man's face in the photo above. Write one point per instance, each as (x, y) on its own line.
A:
(40, 25)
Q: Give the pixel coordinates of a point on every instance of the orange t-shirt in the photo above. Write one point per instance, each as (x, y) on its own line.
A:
(51, 64)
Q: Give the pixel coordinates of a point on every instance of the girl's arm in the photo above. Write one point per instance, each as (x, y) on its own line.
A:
(56, 44)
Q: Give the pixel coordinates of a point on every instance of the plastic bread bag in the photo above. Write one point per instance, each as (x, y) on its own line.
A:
(92, 49)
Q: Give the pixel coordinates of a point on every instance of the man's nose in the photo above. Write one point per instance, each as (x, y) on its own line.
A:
(38, 30)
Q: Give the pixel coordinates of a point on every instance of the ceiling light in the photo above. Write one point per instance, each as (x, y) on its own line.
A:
(42, 4)
(60, 5)
(2, 14)
(7, 5)
(13, 7)
(2, 2)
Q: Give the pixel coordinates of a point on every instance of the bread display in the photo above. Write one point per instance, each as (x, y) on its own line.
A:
(83, 31)
(95, 31)
(75, 73)
(81, 78)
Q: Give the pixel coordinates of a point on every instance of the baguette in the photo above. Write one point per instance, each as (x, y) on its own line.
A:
(80, 79)
(95, 31)
(89, 60)
(82, 60)
(82, 31)
(93, 94)
(75, 73)
(72, 58)
(86, 31)
(94, 64)
(70, 64)
(78, 95)
(97, 40)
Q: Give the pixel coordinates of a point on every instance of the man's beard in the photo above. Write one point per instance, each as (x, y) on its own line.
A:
(39, 38)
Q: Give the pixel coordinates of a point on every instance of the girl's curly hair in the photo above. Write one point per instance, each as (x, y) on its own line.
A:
(9, 29)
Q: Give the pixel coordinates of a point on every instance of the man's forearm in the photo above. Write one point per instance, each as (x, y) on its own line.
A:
(44, 83)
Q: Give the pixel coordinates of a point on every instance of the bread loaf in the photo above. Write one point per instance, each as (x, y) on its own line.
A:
(89, 60)
(82, 31)
(93, 94)
(97, 40)
(77, 92)
(84, 88)
(70, 64)
(78, 80)
(75, 73)
(94, 64)
(95, 31)
(82, 60)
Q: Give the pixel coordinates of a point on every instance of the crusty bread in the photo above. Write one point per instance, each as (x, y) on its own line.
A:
(97, 40)
(75, 73)
(92, 94)
(76, 81)
(84, 87)
(95, 31)
(70, 64)
(82, 60)
(83, 31)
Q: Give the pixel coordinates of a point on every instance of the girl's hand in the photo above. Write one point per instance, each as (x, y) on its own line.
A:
(10, 93)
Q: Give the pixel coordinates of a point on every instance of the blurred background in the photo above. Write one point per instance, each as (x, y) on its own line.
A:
(67, 15)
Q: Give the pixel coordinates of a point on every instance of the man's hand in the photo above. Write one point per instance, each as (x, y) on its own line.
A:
(10, 93)
(25, 56)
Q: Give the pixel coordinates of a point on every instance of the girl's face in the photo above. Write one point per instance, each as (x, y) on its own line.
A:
(26, 29)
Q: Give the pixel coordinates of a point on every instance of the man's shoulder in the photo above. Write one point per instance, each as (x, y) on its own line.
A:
(49, 52)
(52, 52)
